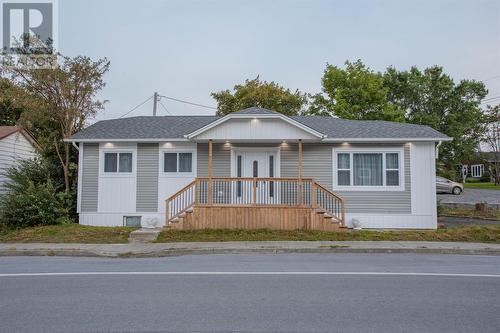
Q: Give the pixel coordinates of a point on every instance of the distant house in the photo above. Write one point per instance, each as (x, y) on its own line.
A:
(483, 162)
(15, 144)
(257, 168)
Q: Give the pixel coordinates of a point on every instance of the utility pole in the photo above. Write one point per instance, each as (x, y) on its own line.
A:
(155, 101)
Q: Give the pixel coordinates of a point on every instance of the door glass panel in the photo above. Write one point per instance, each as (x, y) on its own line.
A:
(271, 175)
(255, 168)
(238, 174)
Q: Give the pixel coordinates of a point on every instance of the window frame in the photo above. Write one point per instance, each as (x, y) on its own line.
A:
(177, 173)
(384, 151)
(117, 173)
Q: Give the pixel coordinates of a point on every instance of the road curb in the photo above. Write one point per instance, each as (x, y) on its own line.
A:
(181, 252)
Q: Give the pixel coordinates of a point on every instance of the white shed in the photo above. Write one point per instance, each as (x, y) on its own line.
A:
(15, 144)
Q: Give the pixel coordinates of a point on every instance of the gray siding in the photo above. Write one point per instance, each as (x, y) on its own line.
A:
(147, 177)
(221, 159)
(90, 177)
(317, 162)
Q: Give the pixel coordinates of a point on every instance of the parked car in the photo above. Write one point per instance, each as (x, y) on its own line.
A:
(444, 185)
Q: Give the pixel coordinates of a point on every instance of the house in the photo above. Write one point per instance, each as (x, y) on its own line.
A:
(257, 168)
(483, 161)
(15, 144)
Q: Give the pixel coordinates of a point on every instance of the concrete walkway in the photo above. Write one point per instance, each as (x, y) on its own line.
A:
(176, 249)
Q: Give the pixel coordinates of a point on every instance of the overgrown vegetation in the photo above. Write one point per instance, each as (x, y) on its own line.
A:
(33, 197)
(53, 104)
(67, 233)
(475, 233)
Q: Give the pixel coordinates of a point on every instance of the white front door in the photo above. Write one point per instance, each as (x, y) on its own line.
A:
(256, 164)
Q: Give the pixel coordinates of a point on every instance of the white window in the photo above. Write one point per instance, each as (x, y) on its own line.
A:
(116, 162)
(477, 170)
(178, 162)
(367, 169)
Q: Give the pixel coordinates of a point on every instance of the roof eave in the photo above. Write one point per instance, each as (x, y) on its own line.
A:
(420, 139)
(127, 140)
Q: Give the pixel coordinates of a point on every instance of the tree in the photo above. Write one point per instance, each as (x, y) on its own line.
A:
(263, 94)
(432, 98)
(355, 92)
(491, 138)
(10, 111)
(60, 101)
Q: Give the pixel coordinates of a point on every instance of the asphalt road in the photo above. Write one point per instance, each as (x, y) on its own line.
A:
(471, 196)
(252, 293)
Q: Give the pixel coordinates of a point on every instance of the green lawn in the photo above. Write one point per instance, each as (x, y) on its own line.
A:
(484, 186)
(474, 233)
(69, 233)
(490, 214)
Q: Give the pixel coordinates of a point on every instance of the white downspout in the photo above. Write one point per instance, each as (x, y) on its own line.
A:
(437, 149)
(75, 145)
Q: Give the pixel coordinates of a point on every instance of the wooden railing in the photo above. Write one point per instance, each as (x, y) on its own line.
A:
(231, 192)
(328, 201)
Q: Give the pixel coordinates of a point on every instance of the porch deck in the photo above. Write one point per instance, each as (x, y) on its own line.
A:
(254, 203)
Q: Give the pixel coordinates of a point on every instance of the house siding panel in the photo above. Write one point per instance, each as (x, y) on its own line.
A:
(90, 177)
(221, 160)
(147, 177)
(317, 162)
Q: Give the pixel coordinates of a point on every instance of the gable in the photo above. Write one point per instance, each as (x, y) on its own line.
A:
(255, 129)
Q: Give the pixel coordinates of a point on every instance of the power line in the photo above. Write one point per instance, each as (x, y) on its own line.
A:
(139, 105)
(191, 103)
(491, 78)
(491, 98)
(170, 113)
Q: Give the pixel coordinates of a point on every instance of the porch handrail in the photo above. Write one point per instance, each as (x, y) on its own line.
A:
(181, 201)
(330, 202)
(250, 191)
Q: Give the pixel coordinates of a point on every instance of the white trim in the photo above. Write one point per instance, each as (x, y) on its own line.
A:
(348, 140)
(118, 149)
(80, 179)
(128, 140)
(255, 116)
(194, 162)
(376, 140)
(381, 150)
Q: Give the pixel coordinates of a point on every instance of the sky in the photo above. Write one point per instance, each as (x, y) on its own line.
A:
(189, 49)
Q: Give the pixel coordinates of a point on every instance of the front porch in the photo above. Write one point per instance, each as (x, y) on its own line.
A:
(244, 202)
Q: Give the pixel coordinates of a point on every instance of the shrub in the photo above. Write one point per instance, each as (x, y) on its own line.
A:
(448, 174)
(485, 178)
(32, 198)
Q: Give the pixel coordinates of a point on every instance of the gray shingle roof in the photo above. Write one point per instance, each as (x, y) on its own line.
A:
(173, 127)
(255, 110)
(344, 128)
(168, 127)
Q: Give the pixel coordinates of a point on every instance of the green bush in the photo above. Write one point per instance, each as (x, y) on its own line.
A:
(485, 178)
(448, 174)
(32, 198)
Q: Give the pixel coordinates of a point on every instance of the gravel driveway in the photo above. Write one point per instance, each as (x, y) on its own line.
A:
(472, 196)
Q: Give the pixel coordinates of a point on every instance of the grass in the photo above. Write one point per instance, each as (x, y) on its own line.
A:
(473, 233)
(484, 186)
(489, 214)
(68, 233)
